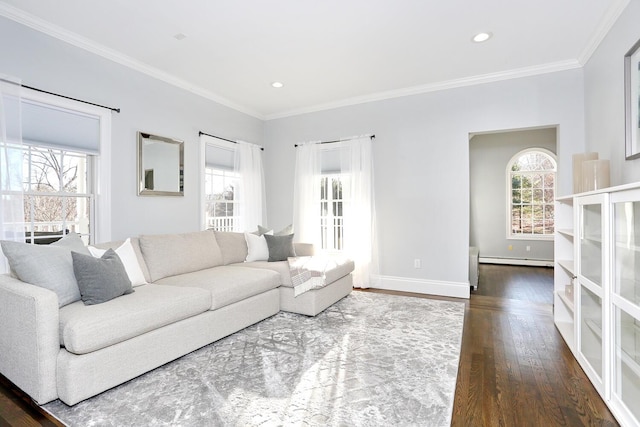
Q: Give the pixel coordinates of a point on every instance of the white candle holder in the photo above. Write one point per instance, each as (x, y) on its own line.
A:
(578, 160)
(595, 175)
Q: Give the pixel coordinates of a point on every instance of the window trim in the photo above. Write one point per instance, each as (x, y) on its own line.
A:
(508, 190)
(101, 164)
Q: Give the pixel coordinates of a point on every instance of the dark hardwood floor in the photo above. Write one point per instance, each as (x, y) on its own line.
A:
(17, 409)
(515, 369)
(531, 284)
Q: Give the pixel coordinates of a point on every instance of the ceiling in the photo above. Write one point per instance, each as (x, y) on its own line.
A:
(327, 53)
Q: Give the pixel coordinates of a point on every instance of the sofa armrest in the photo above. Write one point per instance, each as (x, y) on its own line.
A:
(29, 339)
(304, 249)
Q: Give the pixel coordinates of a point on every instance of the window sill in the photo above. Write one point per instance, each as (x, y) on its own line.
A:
(535, 238)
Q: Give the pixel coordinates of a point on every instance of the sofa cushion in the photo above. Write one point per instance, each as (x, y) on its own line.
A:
(280, 267)
(232, 245)
(47, 266)
(172, 254)
(87, 328)
(227, 284)
(100, 279)
(331, 268)
(334, 268)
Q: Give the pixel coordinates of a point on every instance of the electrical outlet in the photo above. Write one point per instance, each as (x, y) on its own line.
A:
(528, 248)
(417, 263)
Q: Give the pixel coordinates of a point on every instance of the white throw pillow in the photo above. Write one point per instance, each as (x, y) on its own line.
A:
(128, 257)
(257, 247)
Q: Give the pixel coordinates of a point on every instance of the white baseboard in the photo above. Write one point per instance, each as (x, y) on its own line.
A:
(422, 286)
(515, 261)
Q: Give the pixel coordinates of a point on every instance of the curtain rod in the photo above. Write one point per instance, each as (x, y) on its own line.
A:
(219, 137)
(117, 110)
(339, 140)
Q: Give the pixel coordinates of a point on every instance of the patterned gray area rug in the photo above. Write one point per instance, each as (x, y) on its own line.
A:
(370, 359)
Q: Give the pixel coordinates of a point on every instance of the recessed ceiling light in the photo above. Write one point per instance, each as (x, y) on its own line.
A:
(277, 85)
(482, 37)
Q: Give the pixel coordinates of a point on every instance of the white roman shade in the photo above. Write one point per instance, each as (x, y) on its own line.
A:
(54, 127)
(218, 153)
(329, 160)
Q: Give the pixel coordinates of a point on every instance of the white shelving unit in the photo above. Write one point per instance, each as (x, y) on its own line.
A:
(597, 249)
(564, 273)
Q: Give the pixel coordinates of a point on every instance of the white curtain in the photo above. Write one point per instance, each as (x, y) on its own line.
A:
(356, 168)
(306, 190)
(11, 191)
(359, 215)
(251, 194)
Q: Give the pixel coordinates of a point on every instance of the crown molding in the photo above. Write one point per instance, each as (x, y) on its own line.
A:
(74, 39)
(433, 87)
(610, 18)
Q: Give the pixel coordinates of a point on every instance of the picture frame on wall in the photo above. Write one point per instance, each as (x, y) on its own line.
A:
(632, 102)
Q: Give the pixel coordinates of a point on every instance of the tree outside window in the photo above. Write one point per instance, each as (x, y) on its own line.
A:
(56, 196)
(532, 181)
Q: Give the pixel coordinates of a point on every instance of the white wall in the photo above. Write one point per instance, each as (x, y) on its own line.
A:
(604, 96)
(489, 155)
(147, 104)
(421, 156)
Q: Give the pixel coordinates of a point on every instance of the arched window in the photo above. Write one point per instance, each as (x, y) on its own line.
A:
(531, 176)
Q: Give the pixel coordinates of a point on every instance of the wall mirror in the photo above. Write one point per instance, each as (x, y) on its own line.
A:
(160, 166)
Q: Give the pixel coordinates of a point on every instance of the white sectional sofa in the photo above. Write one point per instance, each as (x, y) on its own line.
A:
(199, 290)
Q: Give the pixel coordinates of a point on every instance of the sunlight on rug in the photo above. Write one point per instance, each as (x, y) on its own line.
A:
(370, 359)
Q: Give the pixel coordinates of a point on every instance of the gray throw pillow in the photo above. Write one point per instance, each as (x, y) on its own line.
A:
(284, 232)
(47, 266)
(100, 279)
(280, 247)
(74, 242)
(262, 230)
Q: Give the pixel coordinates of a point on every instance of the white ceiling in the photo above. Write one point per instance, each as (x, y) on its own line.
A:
(327, 52)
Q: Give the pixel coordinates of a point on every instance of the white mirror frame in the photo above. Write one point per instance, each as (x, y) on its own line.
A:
(143, 187)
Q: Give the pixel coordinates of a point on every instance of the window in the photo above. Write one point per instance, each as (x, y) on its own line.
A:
(57, 194)
(65, 155)
(233, 183)
(331, 212)
(531, 190)
(221, 207)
